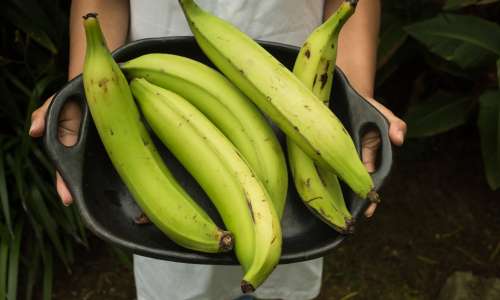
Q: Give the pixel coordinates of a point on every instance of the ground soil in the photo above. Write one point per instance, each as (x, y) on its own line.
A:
(438, 216)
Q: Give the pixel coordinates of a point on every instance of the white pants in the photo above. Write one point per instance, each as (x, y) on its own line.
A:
(285, 21)
(166, 280)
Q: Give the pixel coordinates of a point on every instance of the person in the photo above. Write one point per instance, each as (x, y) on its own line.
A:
(285, 21)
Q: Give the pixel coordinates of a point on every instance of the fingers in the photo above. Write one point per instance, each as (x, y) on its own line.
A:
(38, 119)
(371, 143)
(68, 129)
(63, 190)
(69, 123)
(397, 127)
(370, 210)
(397, 131)
(369, 147)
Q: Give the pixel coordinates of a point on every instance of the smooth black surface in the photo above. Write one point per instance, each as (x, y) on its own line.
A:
(108, 209)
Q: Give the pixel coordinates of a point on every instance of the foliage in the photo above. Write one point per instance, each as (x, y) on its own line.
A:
(458, 44)
(35, 229)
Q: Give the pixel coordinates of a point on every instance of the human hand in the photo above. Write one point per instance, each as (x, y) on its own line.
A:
(370, 142)
(68, 128)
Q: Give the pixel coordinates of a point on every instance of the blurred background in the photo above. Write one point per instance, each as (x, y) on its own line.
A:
(436, 234)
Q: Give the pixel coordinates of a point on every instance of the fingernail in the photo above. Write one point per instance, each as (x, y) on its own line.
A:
(401, 136)
(33, 127)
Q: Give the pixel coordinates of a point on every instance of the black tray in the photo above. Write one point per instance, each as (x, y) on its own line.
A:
(108, 209)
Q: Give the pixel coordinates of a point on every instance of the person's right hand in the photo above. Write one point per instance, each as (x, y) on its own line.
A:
(69, 126)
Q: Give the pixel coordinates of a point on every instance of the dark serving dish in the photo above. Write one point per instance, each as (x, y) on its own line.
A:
(108, 209)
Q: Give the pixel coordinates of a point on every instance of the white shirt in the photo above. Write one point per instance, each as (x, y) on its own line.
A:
(284, 21)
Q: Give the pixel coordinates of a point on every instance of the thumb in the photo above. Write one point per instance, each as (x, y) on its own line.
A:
(397, 127)
(38, 119)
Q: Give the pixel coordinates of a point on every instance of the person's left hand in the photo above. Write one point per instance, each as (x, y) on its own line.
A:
(370, 143)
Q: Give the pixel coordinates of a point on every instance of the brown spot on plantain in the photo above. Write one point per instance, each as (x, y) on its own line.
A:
(308, 182)
(141, 219)
(307, 53)
(327, 65)
(249, 203)
(246, 287)
(322, 212)
(103, 83)
(227, 241)
(323, 182)
(312, 199)
(373, 196)
(323, 79)
(314, 80)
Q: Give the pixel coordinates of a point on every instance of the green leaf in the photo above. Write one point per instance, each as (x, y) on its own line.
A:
(442, 33)
(406, 53)
(81, 226)
(470, 56)
(17, 83)
(465, 55)
(9, 108)
(391, 39)
(63, 216)
(438, 114)
(43, 216)
(489, 131)
(4, 255)
(457, 4)
(14, 254)
(16, 170)
(47, 273)
(34, 265)
(443, 66)
(28, 25)
(498, 72)
(4, 194)
(42, 158)
(124, 257)
(68, 245)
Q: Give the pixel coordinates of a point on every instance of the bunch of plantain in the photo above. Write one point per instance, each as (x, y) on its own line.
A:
(290, 104)
(135, 157)
(225, 106)
(215, 125)
(318, 186)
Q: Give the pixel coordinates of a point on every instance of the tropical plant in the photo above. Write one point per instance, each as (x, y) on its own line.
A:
(458, 44)
(35, 229)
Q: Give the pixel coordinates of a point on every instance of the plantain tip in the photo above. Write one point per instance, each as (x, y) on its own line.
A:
(90, 15)
(373, 197)
(247, 287)
(350, 229)
(226, 241)
(353, 3)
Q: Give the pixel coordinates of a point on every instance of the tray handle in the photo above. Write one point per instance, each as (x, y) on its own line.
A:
(67, 159)
(363, 116)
